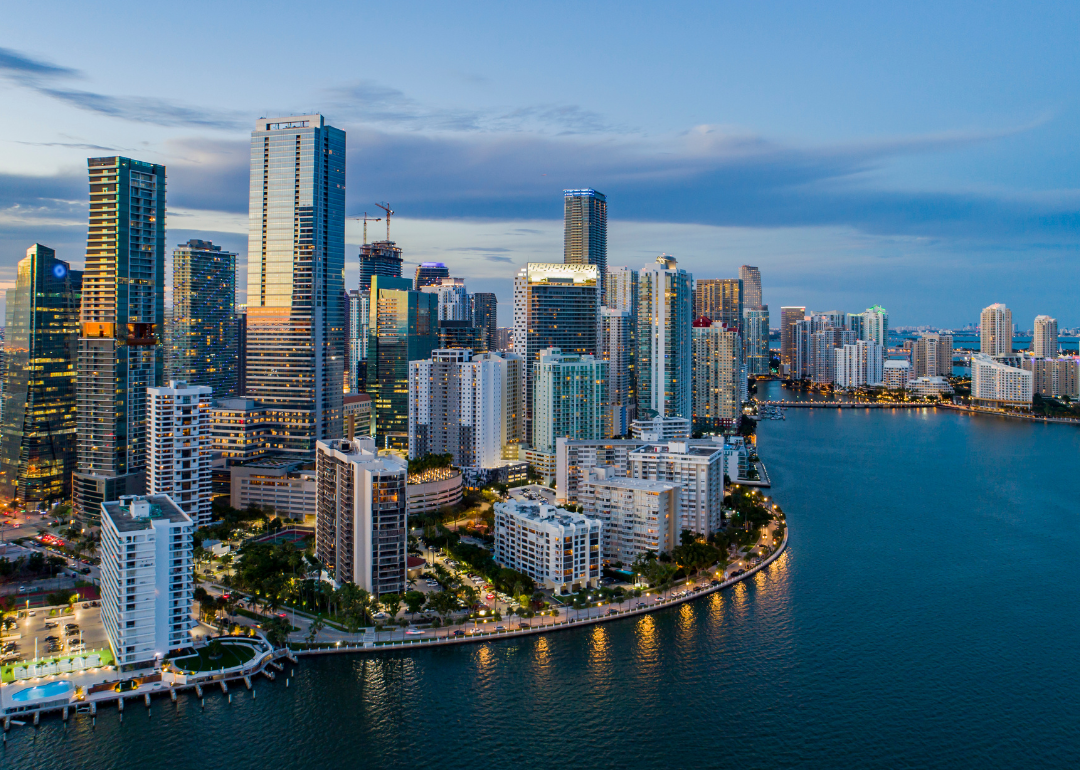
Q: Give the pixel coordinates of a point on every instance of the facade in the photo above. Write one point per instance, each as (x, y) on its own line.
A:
(638, 516)
(241, 350)
(997, 384)
(932, 356)
(858, 364)
(875, 325)
(664, 360)
(41, 337)
(403, 327)
(120, 340)
(699, 467)
(996, 331)
(719, 299)
(454, 302)
(788, 317)
(429, 274)
(504, 338)
(357, 410)
(618, 348)
(484, 312)
(461, 334)
(560, 550)
(896, 374)
(296, 261)
(1044, 344)
(661, 429)
(359, 308)
(240, 431)
(360, 520)
(930, 386)
(379, 258)
(1054, 377)
(555, 306)
(570, 398)
(146, 578)
(180, 448)
(585, 230)
(755, 333)
(204, 317)
(751, 283)
(717, 376)
(285, 485)
(621, 289)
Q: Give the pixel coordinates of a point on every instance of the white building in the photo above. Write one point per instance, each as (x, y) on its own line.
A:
(719, 376)
(1045, 342)
(638, 515)
(570, 398)
(180, 448)
(560, 550)
(661, 429)
(664, 362)
(998, 384)
(454, 302)
(621, 289)
(146, 582)
(617, 348)
(996, 330)
(896, 374)
(930, 386)
(361, 518)
(1054, 377)
(875, 325)
(699, 467)
(859, 364)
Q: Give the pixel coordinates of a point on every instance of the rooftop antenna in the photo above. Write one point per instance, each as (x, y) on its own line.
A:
(389, 211)
(365, 220)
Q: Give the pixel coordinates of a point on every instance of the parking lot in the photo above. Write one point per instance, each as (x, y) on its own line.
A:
(39, 627)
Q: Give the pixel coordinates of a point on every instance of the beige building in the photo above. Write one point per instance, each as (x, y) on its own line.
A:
(996, 330)
(286, 485)
(1044, 344)
(996, 384)
(638, 515)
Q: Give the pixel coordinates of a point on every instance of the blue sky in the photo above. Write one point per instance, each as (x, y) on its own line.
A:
(921, 156)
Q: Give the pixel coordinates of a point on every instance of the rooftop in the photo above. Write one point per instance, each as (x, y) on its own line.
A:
(135, 512)
(535, 511)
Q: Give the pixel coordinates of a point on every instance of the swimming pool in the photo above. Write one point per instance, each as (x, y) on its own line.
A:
(43, 691)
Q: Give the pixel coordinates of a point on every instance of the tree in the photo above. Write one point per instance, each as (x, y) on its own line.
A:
(277, 631)
(444, 603)
(391, 603)
(316, 626)
(414, 601)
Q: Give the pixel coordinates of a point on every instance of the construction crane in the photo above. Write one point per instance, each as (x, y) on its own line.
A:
(389, 212)
(365, 219)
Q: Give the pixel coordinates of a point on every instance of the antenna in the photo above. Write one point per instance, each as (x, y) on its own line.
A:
(365, 220)
(389, 211)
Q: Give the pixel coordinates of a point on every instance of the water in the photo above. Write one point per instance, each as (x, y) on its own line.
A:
(923, 616)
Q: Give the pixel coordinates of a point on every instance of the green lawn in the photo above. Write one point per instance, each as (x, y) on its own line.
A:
(233, 655)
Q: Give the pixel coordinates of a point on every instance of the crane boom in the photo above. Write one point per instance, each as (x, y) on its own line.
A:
(389, 212)
(365, 220)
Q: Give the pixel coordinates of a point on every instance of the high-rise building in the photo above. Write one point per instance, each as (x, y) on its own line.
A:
(896, 374)
(718, 372)
(1045, 342)
(621, 289)
(854, 322)
(379, 258)
(403, 327)
(484, 313)
(454, 302)
(357, 339)
(555, 306)
(751, 280)
(120, 342)
(1054, 377)
(996, 330)
(37, 449)
(755, 334)
(719, 299)
(570, 398)
(789, 316)
(932, 356)
(699, 466)
(296, 263)
(241, 350)
(360, 515)
(458, 405)
(461, 334)
(180, 448)
(204, 316)
(638, 515)
(664, 359)
(618, 347)
(997, 384)
(146, 578)
(585, 230)
(876, 325)
(858, 364)
(429, 274)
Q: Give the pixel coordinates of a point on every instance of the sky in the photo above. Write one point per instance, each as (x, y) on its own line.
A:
(920, 156)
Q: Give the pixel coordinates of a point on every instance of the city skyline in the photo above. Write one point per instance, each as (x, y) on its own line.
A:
(954, 174)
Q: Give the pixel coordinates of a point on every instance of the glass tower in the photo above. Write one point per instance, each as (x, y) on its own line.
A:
(379, 258)
(204, 317)
(719, 299)
(751, 279)
(664, 359)
(429, 274)
(37, 453)
(585, 230)
(484, 312)
(296, 286)
(120, 339)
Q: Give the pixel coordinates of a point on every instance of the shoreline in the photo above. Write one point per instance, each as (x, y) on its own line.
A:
(909, 405)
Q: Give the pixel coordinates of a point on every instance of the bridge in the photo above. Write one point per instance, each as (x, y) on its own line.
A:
(846, 405)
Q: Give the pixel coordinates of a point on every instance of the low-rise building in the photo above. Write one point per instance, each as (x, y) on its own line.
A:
(288, 486)
(560, 550)
(361, 523)
(994, 383)
(146, 578)
(661, 429)
(930, 386)
(433, 490)
(638, 515)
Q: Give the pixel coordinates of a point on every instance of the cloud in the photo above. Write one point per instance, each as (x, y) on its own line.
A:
(41, 77)
(72, 145)
(483, 249)
(496, 258)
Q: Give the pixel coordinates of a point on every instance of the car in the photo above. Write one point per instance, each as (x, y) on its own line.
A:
(640, 605)
(380, 616)
(500, 628)
(68, 626)
(85, 571)
(459, 632)
(524, 625)
(282, 615)
(490, 597)
(23, 589)
(413, 632)
(612, 612)
(50, 624)
(32, 613)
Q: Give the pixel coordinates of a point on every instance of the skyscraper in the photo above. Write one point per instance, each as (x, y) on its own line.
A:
(621, 289)
(484, 312)
(555, 306)
(755, 334)
(356, 342)
(996, 330)
(789, 316)
(296, 262)
(876, 325)
(1045, 342)
(751, 280)
(571, 391)
(403, 327)
(180, 444)
(932, 356)
(718, 371)
(664, 360)
(453, 299)
(618, 346)
(37, 455)
(719, 299)
(585, 230)
(120, 342)
(429, 274)
(379, 258)
(204, 317)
